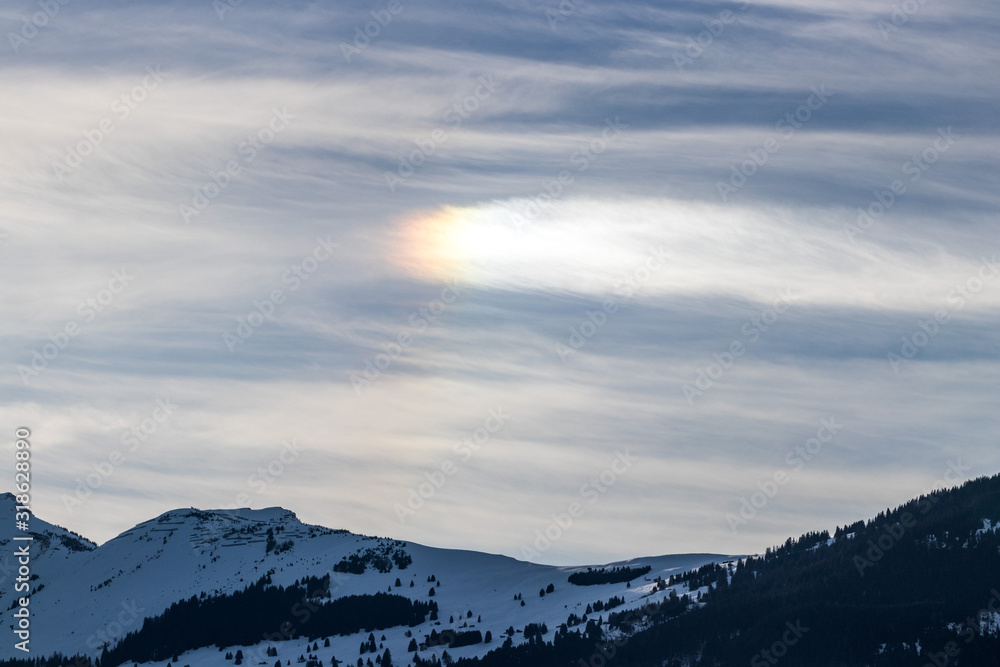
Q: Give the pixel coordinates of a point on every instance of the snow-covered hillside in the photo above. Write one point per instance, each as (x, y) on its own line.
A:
(90, 596)
(53, 550)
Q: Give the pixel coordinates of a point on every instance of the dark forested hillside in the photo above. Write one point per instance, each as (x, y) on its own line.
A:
(592, 577)
(926, 573)
(263, 611)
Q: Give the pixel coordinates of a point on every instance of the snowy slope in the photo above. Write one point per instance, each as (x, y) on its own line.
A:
(96, 595)
(53, 550)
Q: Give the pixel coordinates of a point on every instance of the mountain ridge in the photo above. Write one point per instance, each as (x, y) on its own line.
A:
(889, 591)
(187, 552)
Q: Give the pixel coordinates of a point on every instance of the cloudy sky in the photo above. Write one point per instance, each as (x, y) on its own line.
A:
(461, 274)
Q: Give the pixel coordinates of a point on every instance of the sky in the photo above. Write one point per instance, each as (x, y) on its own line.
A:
(569, 281)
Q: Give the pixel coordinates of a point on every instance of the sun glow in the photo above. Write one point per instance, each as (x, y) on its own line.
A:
(467, 244)
(661, 247)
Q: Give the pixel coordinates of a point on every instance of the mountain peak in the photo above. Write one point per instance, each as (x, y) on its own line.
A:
(267, 514)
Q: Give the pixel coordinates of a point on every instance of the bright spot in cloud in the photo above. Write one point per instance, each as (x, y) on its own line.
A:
(593, 246)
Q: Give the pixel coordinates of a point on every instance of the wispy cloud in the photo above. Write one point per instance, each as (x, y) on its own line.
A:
(541, 203)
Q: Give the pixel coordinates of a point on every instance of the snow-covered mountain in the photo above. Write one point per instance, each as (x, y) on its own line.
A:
(53, 550)
(87, 596)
